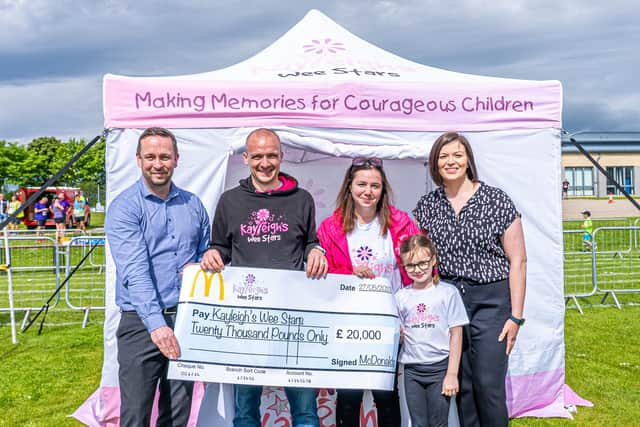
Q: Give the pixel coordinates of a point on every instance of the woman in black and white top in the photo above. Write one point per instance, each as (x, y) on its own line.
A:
(478, 234)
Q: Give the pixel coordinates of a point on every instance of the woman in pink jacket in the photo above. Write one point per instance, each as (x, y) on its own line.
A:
(362, 237)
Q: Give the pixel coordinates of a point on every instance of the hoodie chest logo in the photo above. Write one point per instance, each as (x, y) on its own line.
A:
(264, 226)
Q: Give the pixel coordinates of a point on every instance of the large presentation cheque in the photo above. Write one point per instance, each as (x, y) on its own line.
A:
(279, 328)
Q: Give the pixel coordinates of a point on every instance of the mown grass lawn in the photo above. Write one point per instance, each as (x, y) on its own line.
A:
(44, 378)
(602, 364)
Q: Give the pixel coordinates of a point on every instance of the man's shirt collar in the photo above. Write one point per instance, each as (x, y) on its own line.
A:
(173, 191)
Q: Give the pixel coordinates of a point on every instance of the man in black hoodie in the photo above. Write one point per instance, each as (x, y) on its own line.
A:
(267, 221)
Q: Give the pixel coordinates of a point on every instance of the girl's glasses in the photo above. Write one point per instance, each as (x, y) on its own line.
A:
(367, 161)
(422, 265)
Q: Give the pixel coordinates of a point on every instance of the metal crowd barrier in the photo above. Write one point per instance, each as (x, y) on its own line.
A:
(616, 264)
(85, 288)
(5, 256)
(578, 268)
(610, 266)
(31, 273)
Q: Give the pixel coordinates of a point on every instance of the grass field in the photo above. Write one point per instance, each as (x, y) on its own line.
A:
(44, 378)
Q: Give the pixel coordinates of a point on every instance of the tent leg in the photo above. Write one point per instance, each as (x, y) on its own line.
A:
(85, 319)
(575, 301)
(25, 320)
(615, 299)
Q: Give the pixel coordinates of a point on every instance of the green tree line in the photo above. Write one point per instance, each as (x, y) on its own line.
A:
(31, 165)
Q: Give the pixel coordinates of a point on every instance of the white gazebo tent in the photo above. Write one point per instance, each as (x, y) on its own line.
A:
(331, 96)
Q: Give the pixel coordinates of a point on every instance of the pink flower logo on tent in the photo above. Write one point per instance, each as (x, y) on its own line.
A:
(321, 46)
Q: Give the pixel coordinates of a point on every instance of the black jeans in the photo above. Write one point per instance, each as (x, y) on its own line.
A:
(143, 368)
(482, 400)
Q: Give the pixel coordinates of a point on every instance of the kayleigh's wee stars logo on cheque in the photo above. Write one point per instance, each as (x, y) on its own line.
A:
(249, 288)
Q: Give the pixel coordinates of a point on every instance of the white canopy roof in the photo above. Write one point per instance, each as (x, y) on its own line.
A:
(318, 74)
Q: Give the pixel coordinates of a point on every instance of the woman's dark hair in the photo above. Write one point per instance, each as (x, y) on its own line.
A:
(346, 206)
(443, 140)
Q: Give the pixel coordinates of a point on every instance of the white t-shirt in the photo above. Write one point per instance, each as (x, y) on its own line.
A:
(368, 247)
(427, 315)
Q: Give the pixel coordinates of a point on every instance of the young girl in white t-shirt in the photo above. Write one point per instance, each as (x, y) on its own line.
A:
(431, 317)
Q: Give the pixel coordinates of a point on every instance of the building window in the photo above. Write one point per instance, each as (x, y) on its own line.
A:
(623, 176)
(580, 181)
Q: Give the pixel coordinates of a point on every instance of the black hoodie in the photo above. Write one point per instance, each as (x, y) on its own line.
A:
(269, 230)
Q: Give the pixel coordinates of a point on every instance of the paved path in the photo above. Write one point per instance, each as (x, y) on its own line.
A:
(619, 208)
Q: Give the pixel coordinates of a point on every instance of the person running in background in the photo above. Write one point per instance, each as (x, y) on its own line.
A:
(59, 210)
(14, 205)
(587, 227)
(87, 213)
(41, 210)
(432, 315)
(565, 188)
(79, 204)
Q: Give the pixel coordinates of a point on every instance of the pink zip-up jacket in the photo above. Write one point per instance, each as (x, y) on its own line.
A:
(334, 241)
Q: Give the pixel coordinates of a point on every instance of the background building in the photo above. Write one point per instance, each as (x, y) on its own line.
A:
(617, 152)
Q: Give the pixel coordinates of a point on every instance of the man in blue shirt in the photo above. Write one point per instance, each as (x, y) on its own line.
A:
(153, 228)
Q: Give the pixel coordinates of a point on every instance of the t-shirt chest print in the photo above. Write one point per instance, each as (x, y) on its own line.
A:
(368, 248)
(422, 317)
(368, 256)
(264, 226)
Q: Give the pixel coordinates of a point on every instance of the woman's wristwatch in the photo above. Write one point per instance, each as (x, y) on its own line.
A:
(517, 321)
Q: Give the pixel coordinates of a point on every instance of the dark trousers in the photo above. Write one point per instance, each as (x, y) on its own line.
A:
(143, 368)
(349, 402)
(428, 407)
(482, 400)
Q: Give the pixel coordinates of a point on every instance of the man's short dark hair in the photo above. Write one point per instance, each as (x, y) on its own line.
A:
(157, 132)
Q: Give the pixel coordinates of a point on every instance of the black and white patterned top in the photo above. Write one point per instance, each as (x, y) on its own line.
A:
(469, 245)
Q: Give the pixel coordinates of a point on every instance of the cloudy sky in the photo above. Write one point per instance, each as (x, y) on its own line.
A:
(53, 53)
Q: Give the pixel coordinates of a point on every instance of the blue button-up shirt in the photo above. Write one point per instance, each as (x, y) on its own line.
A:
(151, 240)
